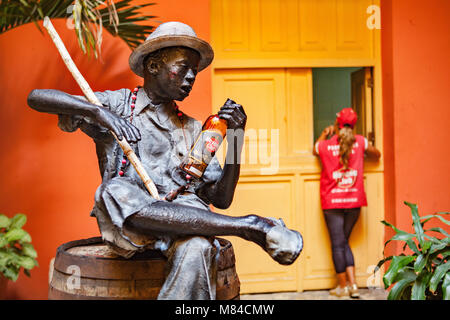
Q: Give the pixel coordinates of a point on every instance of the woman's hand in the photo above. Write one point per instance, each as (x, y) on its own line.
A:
(373, 152)
(120, 127)
(328, 131)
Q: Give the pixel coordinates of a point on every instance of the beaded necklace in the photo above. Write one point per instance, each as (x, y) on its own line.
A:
(174, 193)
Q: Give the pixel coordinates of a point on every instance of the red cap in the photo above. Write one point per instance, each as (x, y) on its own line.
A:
(346, 116)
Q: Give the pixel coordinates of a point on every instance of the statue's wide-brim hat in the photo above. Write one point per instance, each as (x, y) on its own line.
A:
(171, 34)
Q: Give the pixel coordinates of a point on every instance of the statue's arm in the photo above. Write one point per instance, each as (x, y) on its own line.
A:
(221, 192)
(58, 102)
(61, 103)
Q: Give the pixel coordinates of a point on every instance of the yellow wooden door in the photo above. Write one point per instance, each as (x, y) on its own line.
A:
(268, 187)
(264, 52)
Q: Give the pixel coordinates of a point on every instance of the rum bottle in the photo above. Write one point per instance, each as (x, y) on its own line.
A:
(208, 142)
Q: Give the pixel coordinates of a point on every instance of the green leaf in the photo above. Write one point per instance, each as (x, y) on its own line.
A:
(438, 274)
(400, 235)
(435, 247)
(5, 258)
(27, 262)
(4, 221)
(429, 217)
(3, 241)
(403, 236)
(440, 230)
(412, 245)
(398, 262)
(11, 272)
(381, 262)
(404, 279)
(420, 263)
(28, 250)
(445, 253)
(426, 245)
(18, 235)
(13, 257)
(420, 285)
(433, 239)
(446, 286)
(416, 220)
(18, 221)
(397, 230)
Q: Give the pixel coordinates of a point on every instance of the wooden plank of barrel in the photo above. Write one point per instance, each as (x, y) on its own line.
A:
(89, 270)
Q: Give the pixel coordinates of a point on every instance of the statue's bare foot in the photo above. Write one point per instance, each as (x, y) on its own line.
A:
(282, 244)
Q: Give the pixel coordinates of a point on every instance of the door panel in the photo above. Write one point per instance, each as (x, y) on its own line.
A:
(313, 16)
(318, 265)
(365, 240)
(262, 94)
(272, 197)
(235, 33)
(273, 35)
(299, 119)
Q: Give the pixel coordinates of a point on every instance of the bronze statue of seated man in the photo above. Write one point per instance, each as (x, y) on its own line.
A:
(129, 218)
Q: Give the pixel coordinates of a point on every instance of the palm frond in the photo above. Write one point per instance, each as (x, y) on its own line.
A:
(88, 18)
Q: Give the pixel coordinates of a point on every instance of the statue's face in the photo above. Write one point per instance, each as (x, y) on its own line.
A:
(173, 72)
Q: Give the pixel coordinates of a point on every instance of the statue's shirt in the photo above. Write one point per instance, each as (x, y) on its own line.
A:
(165, 142)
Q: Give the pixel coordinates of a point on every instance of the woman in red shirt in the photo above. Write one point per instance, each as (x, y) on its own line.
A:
(342, 191)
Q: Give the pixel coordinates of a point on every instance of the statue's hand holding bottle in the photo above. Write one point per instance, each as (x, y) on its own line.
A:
(230, 117)
(234, 114)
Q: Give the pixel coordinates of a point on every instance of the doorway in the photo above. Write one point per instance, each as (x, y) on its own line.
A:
(338, 88)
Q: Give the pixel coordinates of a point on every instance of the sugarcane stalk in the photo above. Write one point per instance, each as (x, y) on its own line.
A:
(92, 98)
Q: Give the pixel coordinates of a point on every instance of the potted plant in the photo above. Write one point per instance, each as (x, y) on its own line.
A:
(16, 250)
(423, 273)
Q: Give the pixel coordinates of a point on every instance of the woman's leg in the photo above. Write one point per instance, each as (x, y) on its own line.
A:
(350, 273)
(335, 224)
(351, 217)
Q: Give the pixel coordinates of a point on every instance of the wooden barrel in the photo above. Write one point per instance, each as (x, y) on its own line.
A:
(89, 270)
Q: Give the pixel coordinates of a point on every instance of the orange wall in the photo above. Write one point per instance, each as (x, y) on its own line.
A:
(46, 173)
(416, 95)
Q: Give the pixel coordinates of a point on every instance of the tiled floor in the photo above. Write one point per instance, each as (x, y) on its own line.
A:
(365, 294)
